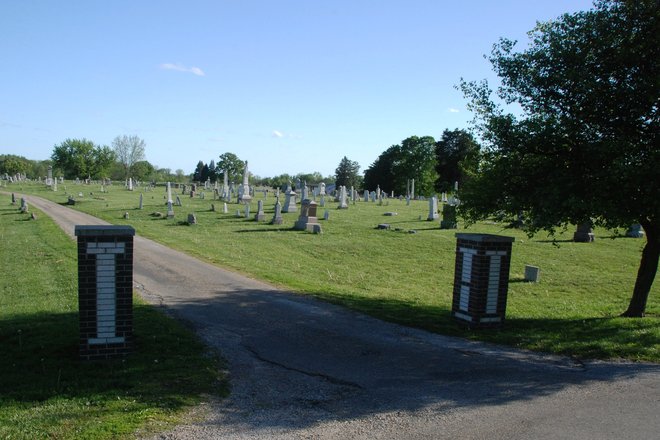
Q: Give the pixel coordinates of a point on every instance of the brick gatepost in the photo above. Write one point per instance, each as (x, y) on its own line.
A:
(481, 279)
(105, 290)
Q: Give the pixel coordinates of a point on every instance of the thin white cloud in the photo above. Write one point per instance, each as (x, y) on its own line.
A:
(453, 110)
(278, 134)
(181, 68)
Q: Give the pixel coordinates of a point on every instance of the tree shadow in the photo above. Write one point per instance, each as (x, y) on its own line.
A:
(41, 362)
(288, 353)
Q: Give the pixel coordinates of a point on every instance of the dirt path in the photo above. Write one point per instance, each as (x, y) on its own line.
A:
(301, 368)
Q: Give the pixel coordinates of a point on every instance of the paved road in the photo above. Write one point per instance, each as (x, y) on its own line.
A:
(301, 368)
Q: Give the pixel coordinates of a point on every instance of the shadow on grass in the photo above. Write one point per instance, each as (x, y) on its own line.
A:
(275, 228)
(168, 368)
(351, 366)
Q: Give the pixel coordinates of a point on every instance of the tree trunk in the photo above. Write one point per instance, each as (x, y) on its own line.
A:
(647, 270)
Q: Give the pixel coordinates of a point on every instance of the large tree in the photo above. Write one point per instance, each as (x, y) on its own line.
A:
(230, 163)
(81, 158)
(381, 172)
(348, 173)
(584, 146)
(414, 158)
(457, 157)
(129, 151)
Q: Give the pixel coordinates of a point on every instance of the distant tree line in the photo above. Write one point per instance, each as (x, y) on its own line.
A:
(234, 167)
(82, 158)
(435, 166)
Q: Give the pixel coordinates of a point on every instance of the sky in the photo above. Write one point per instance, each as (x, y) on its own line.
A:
(291, 86)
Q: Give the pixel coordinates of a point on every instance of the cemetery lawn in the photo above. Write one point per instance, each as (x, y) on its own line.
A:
(406, 277)
(45, 390)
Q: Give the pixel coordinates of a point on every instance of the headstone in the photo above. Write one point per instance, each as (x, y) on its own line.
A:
(383, 226)
(307, 219)
(343, 202)
(260, 217)
(635, 231)
(277, 217)
(225, 186)
(141, 201)
(105, 290)
(322, 189)
(247, 210)
(126, 215)
(290, 201)
(170, 209)
(433, 209)
(366, 195)
(584, 233)
(169, 194)
(305, 192)
(192, 219)
(212, 207)
(532, 274)
(412, 189)
(49, 179)
(481, 279)
(55, 185)
(224, 208)
(322, 203)
(13, 198)
(178, 201)
(448, 217)
(33, 216)
(24, 205)
(326, 215)
(244, 191)
(130, 184)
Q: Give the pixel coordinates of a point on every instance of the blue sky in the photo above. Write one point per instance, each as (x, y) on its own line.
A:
(290, 86)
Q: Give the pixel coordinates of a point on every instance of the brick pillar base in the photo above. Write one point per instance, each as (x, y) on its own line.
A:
(105, 290)
(481, 279)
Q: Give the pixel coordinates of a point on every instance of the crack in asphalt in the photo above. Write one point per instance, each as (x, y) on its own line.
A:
(326, 377)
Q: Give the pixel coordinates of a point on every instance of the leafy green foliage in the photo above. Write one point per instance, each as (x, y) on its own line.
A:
(230, 163)
(457, 158)
(348, 173)
(413, 159)
(80, 158)
(585, 147)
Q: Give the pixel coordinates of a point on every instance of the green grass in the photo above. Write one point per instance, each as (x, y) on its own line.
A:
(408, 278)
(45, 390)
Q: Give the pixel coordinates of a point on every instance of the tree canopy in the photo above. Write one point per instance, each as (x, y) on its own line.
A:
(457, 157)
(414, 158)
(129, 150)
(584, 146)
(230, 163)
(81, 158)
(348, 173)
